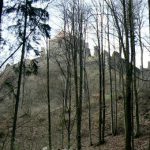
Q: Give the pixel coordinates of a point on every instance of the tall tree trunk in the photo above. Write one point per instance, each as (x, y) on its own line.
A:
(66, 89)
(128, 125)
(12, 146)
(137, 131)
(79, 112)
(87, 92)
(23, 85)
(116, 98)
(48, 97)
(69, 112)
(62, 128)
(76, 92)
(74, 55)
(149, 14)
(132, 45)
(69, 99)
(103, 77)
(104, 106)
(132, 118)
(141, 47)
(115, 85)
(89, 108)
(1, 9)
(98, 49)
(100, 81)
(122, 71)
(110, 77)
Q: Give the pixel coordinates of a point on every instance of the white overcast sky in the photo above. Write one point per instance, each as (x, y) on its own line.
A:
(57, 25)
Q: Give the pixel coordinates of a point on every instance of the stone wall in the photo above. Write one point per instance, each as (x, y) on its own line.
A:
(60, 43)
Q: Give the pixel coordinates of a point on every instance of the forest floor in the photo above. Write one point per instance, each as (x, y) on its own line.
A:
(32, 130)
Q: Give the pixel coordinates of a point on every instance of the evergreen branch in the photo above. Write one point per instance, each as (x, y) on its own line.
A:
(26, 39)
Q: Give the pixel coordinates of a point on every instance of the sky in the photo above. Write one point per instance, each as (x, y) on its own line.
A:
(56, 24)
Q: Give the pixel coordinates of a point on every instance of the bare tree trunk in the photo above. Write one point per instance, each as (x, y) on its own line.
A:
(122, 70)
(103, 77)
(115, 86)
(69, 98)
(69, 112)
(74, 52)
(100, 71)
(89, 106)
(132, 44)
(128, 126)
(110, 77)
(141, 57)
(48, 98)
(128, 122)
(149, 14)
(87, 94)
(68, 79)
(149, 143)
(100, 82)
(1, 9)
(141, 47)
(132, 118)
(104, 106)
(66, 89)
(23, 85)
(79, 112)
(62, 131)
(116, 98)
(137, 131)
(12, 146)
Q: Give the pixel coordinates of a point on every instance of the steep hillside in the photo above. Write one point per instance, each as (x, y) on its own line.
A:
(32, 127)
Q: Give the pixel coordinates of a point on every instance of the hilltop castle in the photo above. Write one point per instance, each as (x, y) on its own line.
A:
(58, 45)
(62, 42)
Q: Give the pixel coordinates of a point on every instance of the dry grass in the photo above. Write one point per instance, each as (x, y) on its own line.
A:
(32, 126)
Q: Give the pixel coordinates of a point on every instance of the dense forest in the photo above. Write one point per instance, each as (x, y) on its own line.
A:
(75, 74)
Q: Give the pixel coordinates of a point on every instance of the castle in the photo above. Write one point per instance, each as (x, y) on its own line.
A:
(60, 43)
(57, 46)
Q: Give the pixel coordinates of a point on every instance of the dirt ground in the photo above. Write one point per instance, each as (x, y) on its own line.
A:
(32, 130)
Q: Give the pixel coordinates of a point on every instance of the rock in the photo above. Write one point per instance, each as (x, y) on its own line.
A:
(45, 148)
